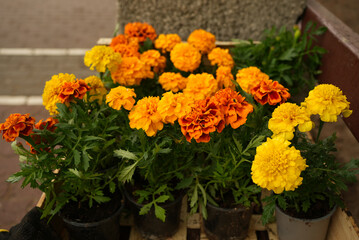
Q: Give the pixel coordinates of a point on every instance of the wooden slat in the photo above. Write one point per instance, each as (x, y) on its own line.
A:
(342, 227)
(340, 66)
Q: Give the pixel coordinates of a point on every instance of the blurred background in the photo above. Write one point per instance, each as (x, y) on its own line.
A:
(42, 38)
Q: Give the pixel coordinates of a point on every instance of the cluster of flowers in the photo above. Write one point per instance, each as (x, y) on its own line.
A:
(278, 164)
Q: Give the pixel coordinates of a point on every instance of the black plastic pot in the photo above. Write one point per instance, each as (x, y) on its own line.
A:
(224, 223)
(149, 225)
(105, 229)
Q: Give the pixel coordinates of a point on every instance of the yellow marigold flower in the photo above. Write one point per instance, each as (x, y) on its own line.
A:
(286, 117)
(154, 59)
(52, 91)
(277, 166)
(173, 106)
(172, 81)
(328, 101)
(130, 72)
(144, 115)
(185, 57)
(200, 86)
(121, 97)
(221, 57)
(141, 31)
(202, 40)
(97, 91)
(102, 57)
(224, 78)
(166, 42)
(250, 77)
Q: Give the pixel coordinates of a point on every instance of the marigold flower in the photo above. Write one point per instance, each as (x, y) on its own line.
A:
(144, 115)
(185, 57)
(121, 97)
(328, 101)
(97, 91)
(277, 166)
(205, 118)
(225, 77)
(49, 124)
(122, 39)
(166, 42)
(200, 86)
(141, 31)
(127, 50)
(172, 81)
(233, 107)
(130, 72)
(250, 77)
(15, 125)
(286, 117)
(52, 89)
(154, 59)
(221, 57)
(173, 106)
(202, 40)
(271, 92)
(71, 90)
(102, 57)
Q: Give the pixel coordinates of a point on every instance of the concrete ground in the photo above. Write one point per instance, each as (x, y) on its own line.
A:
(75, 25)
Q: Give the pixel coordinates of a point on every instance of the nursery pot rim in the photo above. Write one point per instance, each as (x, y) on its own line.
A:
(225, 209)
(95, 223)
(309, 219)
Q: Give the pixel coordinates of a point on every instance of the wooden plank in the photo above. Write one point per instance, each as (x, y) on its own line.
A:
(340, 65)
(342, 227)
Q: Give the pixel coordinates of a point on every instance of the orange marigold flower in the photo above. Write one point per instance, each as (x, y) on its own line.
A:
(205, 118)
(173, 106)
(49, 124)
(249, 77)
(127, 50)
(122, 39)
(15, 125)
(71, 90)
(131, 71)
(141, 31)
(271, 92)
(172, 81)
(221, 57)
(121, 97)
(200, 86)
(225, 77)
(233, 107)
(166, 42)
(144, 115)
(154, 59)
(202, 40)
(185, 57)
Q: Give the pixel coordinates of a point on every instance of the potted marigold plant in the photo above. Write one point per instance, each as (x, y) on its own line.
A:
(303, 174)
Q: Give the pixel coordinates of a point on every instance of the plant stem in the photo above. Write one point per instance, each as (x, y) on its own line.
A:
(321, 124)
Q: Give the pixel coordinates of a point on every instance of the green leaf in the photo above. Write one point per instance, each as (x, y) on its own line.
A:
(76, 172)
(125, 154)
(164, 150)
(92, 138)
(194, 197)
(112, 187)
(85, 160)
(101, 199)
(14, 178)
(185, 183)
(160, 213)
(162, 199)
(127, 173)
(204, 194)
(145, 209)
(77, 157)
(288, 55)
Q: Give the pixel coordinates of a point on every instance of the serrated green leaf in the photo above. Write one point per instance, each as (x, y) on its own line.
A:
(194, 197)
(125, 154)
(77, 157)
(101, 199)
(145, 209)
(185, 183)
(160, 189)
(162, 199)
(14, 178)
(127, 173)
(85, 160)
(76, 172)
(160, 213)
(112, 187)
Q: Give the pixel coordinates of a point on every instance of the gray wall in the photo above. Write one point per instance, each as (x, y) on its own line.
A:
(227, 19)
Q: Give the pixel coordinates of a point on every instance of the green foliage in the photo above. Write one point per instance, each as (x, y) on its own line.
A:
(287, 56)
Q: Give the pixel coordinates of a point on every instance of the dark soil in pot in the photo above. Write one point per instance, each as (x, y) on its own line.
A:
(101, 222)
(317, 210)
